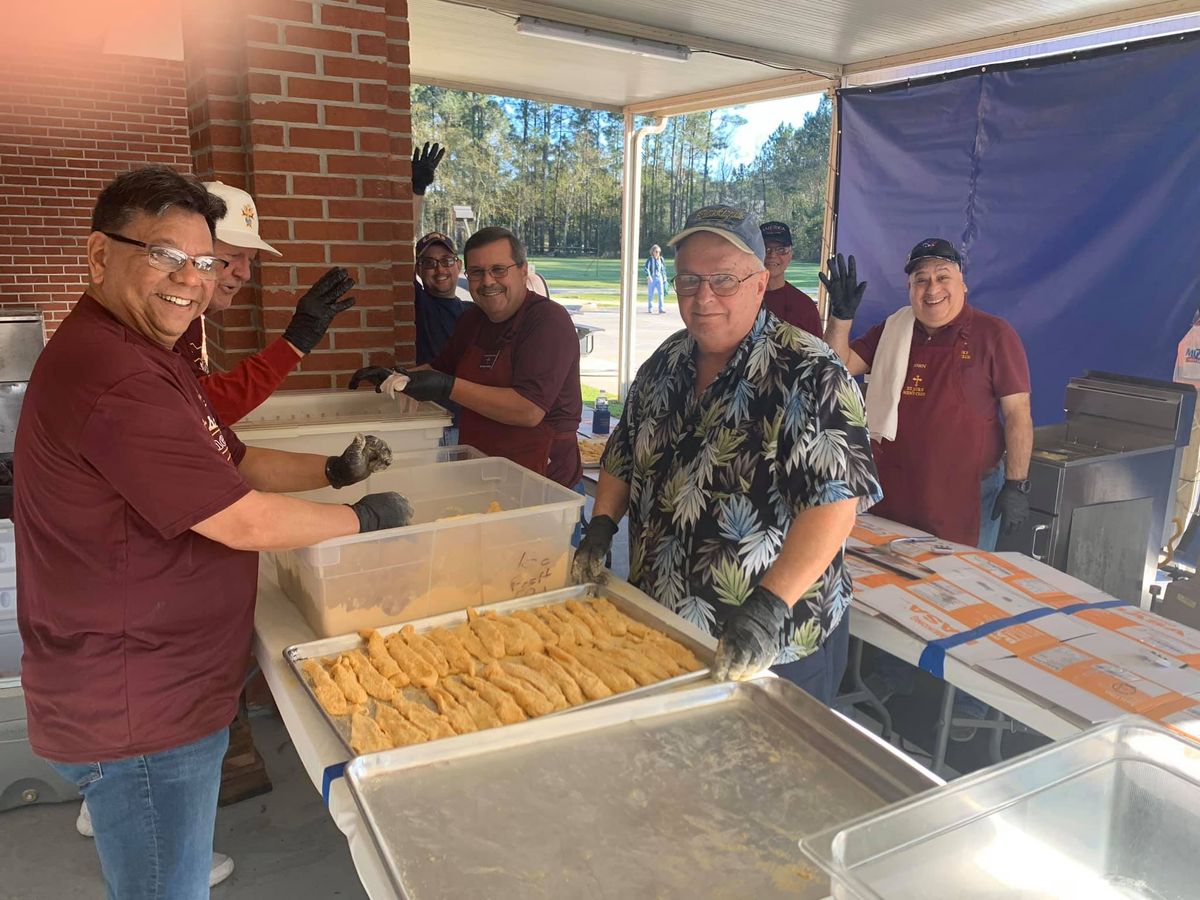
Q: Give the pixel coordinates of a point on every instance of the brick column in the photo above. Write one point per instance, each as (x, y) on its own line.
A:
(321, 91)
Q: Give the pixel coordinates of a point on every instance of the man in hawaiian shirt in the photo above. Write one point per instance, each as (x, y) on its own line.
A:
(742, 457)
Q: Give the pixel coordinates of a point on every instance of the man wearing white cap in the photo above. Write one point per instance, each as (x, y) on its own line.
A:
(235, 393)
(741, 458)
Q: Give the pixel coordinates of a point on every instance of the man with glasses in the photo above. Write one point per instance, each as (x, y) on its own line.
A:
(782, 298)
(741, 458)
(436, 305)
(512, 365)
(234, 394)
(138, 518)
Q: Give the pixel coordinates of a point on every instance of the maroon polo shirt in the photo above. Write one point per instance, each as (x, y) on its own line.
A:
(992, 362)
(545, 358)
(794, 306)
(136, 629)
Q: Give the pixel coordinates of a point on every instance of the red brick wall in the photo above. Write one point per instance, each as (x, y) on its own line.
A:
(70, 119)
(305, 105)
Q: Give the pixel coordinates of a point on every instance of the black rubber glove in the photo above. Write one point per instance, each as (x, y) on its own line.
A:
(428, 384)
(379, 511)
(1011, 507)
(597, 539)
(843, 288)
(364, 457)
(375, 375)
(752, 636)
(424, 164)
(317, 308)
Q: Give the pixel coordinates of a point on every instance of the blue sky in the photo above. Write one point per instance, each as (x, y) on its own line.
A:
(764, 118)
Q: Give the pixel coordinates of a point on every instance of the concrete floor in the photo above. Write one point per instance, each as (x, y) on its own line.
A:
(284, 844)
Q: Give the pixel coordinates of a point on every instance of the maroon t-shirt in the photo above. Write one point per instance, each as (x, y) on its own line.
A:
(794, 306)
(996, 367)
(136, 629)
(545, 370)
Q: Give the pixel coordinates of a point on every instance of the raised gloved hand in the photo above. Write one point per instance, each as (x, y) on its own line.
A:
(379, 511)
(365, 456)
(1011, 506)
(375, 375)
(842, 285)
(751, 640)
(316, 309)
(424, 164)
(428, 384)
(597, 539)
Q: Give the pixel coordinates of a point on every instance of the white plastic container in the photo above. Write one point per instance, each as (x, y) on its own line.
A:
(326, 421)
(456, 554)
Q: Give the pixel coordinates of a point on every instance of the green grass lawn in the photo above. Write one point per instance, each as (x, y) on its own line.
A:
(599, 280)
(616, 407)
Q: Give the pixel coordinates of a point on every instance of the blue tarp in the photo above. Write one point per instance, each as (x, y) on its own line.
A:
(1072, 187)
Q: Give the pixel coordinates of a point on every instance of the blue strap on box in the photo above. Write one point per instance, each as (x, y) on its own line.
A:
(933, 657)
(330, 775)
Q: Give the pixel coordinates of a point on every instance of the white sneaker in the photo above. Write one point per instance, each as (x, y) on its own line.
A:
(222, 868)
(83, 824)
(222, 865)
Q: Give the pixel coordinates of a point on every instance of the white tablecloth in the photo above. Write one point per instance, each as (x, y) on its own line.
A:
(278, 625)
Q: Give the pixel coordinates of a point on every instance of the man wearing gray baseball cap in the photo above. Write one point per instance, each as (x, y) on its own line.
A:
(741, 458)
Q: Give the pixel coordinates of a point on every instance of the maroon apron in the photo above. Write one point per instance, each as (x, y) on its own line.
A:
(524, 445)
(931, 473)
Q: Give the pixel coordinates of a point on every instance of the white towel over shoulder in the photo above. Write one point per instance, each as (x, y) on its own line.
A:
(888, 371)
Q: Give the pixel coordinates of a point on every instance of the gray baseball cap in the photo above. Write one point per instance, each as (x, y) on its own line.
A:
(736, 225)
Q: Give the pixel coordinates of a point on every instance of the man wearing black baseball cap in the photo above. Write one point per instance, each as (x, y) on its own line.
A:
(782, 298)
(948, 401)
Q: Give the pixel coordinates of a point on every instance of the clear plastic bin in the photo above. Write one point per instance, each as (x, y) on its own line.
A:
(456, 554)
(1112, 813)
(326, 421)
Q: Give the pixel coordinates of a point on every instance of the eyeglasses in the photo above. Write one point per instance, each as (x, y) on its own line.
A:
(476, 274)
(168, 259)
(778, 251)
(446, 262)
(722, 283)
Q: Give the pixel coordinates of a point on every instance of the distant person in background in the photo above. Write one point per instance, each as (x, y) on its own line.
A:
(656, 279)
(787, 302)
(535, 282)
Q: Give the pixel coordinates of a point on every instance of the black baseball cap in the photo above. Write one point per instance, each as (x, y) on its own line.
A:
(777, 231)
(932, 248)
(435, 237)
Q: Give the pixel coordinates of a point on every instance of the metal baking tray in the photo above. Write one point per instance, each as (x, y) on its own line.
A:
(633, 603)
(701, 792)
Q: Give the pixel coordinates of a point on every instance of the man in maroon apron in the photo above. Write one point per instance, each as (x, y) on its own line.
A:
(512, 365)
(963, 409)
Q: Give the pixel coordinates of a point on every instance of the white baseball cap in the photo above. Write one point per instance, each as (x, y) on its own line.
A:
(239, 225)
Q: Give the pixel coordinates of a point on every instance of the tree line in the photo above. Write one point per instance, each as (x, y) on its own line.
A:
(552, 173)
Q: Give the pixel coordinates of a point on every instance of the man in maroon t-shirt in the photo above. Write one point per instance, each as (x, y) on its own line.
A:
(963, 403)
(234, 394)
(783, 299)
(512, 365)
(138, 515)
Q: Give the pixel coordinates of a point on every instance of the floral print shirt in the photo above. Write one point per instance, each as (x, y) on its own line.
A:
(716, 481)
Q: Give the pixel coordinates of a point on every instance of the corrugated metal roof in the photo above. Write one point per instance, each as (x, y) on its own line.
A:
(474, 44)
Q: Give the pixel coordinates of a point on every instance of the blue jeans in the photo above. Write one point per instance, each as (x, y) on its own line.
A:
(154, 818)
(449, 436)
(820, 673)
(989, 490)
(655, 287)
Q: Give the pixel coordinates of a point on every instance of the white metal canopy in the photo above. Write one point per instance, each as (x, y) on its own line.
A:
(741, 51)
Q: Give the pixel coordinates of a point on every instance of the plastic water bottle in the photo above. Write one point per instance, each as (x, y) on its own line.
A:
(600, 417)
